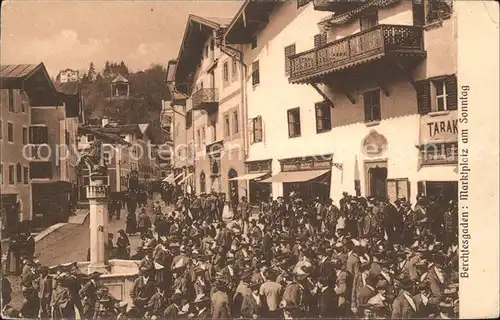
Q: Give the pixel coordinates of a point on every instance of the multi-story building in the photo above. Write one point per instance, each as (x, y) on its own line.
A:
(68, 75)
(213, 133)
(357, 96)
(41, 123)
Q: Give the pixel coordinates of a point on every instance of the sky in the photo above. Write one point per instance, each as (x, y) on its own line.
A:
(72, 33)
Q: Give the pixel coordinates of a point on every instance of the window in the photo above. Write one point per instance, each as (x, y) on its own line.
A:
(234, 70)
(235, 122)
(25, 136)
(10, 132)
(372, 105)
(198, 136)
(254, 42)
(257, 129)
(294, 122)
(319, 40)
(1, 174)
(24, 102)
(398, 188)
(11, 174)
(10, 94)
(40, 135)
(19, 173)
(255, 73)
(226, 125)
(289, 51)
(41, 170)
(443, 153)
(203, 137)
(368, 21)
(439, 90)
(26, 175)
(225, 71)
(323, 117)
(90, 137)
(1, 129)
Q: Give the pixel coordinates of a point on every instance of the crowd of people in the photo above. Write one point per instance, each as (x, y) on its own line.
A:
(291, 259)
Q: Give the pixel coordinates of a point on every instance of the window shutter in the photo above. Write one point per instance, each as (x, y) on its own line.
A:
(319, 117)
(423, 96)
(367, 102)
(451, 92)
(319, 39)
(289, 50)
(251, 126)
(290, 124)
(261, 122)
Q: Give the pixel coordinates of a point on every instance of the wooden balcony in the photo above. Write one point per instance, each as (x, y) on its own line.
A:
(205, 99)
(336, 5)
(380, 42)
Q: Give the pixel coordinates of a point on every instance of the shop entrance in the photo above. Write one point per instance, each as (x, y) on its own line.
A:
(376, 173)
(233, 186)
(445, 190)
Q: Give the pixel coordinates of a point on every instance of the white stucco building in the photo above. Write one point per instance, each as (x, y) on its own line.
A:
(346, 101)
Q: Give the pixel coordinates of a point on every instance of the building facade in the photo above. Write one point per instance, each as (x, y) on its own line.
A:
(210, 127)
(41, 123)
(370, 103)
(68, 75)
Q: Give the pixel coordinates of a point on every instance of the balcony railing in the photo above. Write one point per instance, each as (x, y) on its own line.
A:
(367, 45)
(336, 5)
(205, 97)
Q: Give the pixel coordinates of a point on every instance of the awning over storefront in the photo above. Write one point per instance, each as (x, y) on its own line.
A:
(296, 176)
(249, 176)
(186, 177)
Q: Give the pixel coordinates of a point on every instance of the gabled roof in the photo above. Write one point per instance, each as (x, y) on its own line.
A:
(119, 78)
(34, 79)
(17, 71)
(198, 30)
(105, 137)
(251, 16)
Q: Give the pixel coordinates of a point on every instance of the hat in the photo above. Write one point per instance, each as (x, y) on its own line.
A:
(95, 275)
(449, 291)
(423, 285)
(447, 303)
(200, 298)
(121, 304)
(176, 296)
(406, 283)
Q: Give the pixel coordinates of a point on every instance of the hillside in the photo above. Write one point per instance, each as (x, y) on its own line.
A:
(147, 89)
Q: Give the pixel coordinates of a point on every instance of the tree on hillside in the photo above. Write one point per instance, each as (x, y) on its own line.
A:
(91, 73)
(107, 70)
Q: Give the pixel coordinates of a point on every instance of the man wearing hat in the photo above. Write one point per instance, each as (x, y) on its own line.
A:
(325, 266)
(404, 306)
(201, 307)
(365, 293)
(174, 307)
(158, 302)
(422, 301)
(44, 284)
(435, 276)
(89, 295)
(220, 301)
(251, 306)
(245, 210)
(142, 290)
(327, 300)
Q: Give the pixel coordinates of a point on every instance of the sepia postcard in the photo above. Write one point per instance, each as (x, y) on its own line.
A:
(249, 159)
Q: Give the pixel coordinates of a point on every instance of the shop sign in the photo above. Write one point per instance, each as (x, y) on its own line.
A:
(301, 164)
(439, 129)
(258, 166)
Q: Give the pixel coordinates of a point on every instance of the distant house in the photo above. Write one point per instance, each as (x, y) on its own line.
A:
(120, 87)
(67, 75)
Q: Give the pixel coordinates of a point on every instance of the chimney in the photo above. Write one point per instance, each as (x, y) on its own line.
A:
(105, 121)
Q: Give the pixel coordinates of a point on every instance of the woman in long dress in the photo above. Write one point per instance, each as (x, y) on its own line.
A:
(131, 225)
(122, 245)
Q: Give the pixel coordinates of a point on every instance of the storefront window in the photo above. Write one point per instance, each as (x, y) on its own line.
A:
(439, 153)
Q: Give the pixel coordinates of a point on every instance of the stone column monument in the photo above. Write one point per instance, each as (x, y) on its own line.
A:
(98, 194)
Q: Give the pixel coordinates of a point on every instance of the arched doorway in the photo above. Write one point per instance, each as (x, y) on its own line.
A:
(202, 182)
(233, 187)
